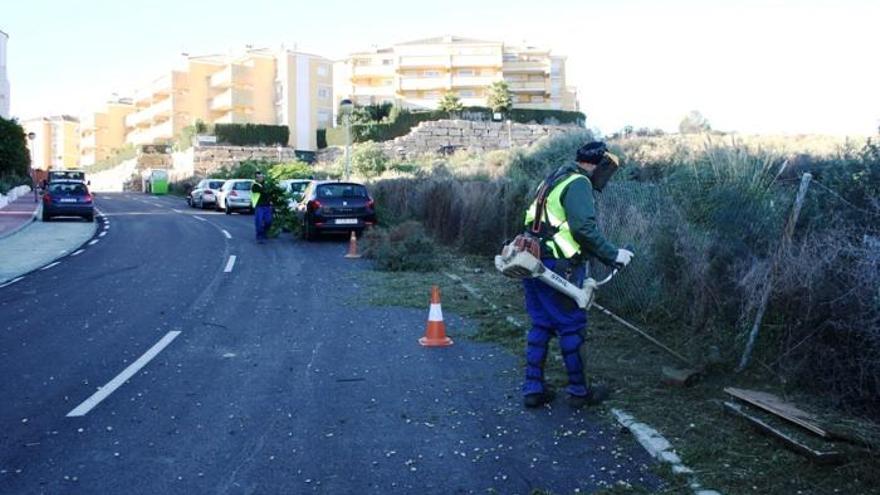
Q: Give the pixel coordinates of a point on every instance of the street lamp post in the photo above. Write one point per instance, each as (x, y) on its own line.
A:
(31, 136)
(346, 107)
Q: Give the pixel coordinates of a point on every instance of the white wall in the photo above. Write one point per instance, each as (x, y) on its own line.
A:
(4, 80)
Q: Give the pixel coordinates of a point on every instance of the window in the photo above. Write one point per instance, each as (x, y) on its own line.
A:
(467, 93)
(242, 185)
(341, 191)
(323, 93)
(387, 82)
(432, 95)
(387, 61)
(466, 72)
(431, 73)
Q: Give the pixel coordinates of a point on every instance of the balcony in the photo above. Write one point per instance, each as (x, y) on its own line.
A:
(424, 62)
(232, 99)
(476, 60)
(472, 81)
(150, 114)
(533, 66)
(527, 86)
(159, 133)
(232, 75)
(424, 83)
(370, 71)
(233, 117)
(364, 90)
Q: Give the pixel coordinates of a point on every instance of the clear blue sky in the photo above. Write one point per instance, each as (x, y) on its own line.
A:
(781, 66)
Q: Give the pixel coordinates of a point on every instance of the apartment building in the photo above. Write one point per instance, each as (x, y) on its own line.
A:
(103, 132)
(258, 86)
(56, 142)
(4, 79)
(417, 74)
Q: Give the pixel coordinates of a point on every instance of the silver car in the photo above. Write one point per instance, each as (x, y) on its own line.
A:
(294, 188)
(205, 193)
(235, 195)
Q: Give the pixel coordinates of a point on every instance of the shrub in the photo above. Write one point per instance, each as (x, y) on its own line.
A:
(15, 161)
(291, 170)
(369, 159)
(252, 134)
(404, 247)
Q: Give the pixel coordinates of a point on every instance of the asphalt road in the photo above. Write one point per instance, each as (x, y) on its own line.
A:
(151, 363)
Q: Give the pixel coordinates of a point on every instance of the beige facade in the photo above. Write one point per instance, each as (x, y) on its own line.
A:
(102, 133)
(417, 74)
(259, 87)
(56, 142)
(4, 80)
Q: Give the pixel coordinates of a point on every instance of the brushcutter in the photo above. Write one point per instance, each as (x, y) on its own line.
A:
(520, 259)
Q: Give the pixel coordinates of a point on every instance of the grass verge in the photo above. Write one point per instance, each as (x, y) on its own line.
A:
(725, 453)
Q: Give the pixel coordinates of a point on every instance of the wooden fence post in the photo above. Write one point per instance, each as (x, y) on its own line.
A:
(768, 286)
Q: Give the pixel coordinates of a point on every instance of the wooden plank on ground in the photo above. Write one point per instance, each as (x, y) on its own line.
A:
(832, 457)
(774, 405)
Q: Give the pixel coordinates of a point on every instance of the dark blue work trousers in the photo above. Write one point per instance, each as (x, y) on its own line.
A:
(554, 314)
(262, 221)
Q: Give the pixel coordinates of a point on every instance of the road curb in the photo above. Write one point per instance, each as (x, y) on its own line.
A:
(99, 220)
(21, 227)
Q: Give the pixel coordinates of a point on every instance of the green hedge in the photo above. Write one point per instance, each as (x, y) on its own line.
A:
(15, 161)
(405, 121)
(252, 134)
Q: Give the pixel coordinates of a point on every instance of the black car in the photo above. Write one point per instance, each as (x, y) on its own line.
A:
(329, 206)
(68, 198)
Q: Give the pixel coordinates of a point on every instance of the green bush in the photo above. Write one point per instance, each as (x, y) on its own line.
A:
(252, 134)
(291, 170)
(369, 159)
(404, 247)
(15, 161)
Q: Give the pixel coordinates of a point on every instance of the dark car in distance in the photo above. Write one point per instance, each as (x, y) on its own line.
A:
(68, 198)
(330, 206)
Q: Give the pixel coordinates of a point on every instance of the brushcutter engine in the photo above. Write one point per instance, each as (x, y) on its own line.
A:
(521, 259)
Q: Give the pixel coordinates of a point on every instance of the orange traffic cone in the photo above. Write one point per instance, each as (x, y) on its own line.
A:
(435, 334)
(352, 247)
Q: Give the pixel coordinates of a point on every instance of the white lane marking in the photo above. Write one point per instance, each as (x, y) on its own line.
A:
(175, 210)
(78, 252)
(7, 284)
(227, 234)
(102, 234)
(50, 265)
(105, 391)
(229, 264)
(199, 218)
(93, 242)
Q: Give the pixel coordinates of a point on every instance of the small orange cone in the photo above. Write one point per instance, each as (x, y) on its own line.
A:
(435, 334)
(352, 247)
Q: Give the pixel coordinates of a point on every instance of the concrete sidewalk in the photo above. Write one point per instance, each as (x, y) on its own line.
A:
(36, 244)
(17, 215)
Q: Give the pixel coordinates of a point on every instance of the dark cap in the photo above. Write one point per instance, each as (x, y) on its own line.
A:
(592, 152)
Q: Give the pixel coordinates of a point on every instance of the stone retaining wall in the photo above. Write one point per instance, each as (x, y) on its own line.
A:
(444, 136)
(207, 159)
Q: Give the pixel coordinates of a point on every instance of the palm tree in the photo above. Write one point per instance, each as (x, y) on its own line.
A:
(450, 103)
(499, 97)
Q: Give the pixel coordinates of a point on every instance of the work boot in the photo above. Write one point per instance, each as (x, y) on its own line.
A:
(596, 395)
(537, 400)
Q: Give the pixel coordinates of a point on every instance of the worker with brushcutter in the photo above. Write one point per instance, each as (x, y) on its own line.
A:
(562, 231)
